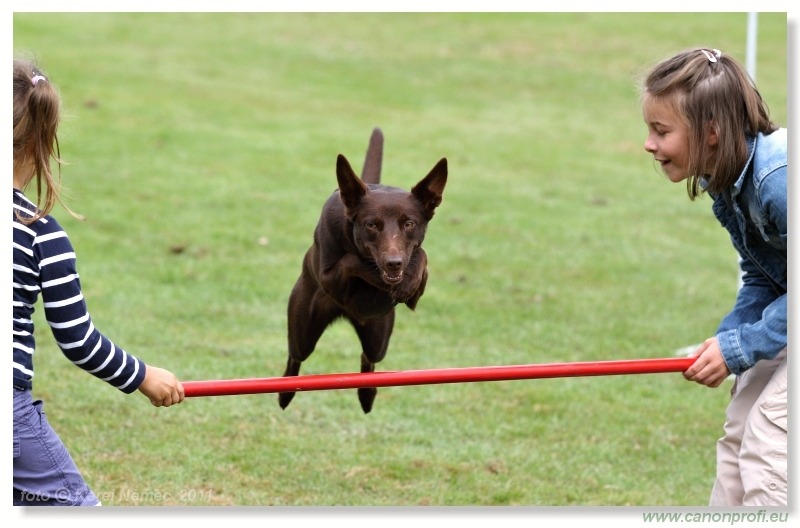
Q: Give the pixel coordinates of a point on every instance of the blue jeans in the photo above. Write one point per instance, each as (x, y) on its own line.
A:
(44, 472)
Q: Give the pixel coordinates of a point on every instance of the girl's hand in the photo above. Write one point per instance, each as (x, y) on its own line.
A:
(162, 387)
(709, 369)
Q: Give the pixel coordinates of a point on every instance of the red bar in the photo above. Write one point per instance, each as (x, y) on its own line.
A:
(432, 376)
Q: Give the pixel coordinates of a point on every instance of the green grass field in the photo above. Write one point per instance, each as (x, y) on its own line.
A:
(200, 149)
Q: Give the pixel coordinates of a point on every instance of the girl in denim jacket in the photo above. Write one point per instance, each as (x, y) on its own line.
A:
(708, 126)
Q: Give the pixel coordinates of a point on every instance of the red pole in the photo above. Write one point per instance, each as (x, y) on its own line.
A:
(433, 376)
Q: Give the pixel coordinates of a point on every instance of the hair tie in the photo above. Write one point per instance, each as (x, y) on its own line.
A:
(713, 55)
(36, 78)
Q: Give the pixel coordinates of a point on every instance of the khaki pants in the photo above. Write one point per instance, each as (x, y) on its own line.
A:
(751, 456)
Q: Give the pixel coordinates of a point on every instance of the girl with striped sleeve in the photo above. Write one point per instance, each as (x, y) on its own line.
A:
(45, 265)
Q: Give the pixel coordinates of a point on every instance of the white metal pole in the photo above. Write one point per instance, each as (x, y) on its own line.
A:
(750, 65)
(752, 44)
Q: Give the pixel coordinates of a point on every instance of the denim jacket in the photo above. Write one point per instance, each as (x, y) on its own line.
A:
(754, 212)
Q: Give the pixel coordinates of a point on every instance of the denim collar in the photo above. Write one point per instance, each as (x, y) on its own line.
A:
(751, 149)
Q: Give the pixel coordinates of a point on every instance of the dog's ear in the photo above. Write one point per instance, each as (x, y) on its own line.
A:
(351, 188)
(429, 191)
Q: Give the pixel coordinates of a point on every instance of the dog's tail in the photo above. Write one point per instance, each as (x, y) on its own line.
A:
(374, 159)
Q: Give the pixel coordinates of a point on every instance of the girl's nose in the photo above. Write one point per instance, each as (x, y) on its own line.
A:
(649, 145)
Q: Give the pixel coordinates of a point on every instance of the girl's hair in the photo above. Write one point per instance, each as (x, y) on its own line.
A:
(37, 110)
(709, 89)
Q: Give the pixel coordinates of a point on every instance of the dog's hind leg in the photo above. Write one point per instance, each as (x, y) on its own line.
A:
(309, 315)
(374, 336)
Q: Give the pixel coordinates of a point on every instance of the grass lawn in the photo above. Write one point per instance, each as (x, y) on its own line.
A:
(200, 149)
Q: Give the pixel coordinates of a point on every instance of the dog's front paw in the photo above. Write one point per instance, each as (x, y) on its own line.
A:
(285, 398)
(405, 292)
(412, 289)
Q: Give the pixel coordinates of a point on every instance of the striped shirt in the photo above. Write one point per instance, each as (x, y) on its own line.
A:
(44, 262)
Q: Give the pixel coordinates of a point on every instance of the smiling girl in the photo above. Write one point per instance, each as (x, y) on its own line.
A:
(708, 126)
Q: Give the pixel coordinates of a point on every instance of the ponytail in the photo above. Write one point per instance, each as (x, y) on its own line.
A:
(37, 112)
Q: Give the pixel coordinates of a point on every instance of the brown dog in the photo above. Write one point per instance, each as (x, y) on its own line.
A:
(366, 258)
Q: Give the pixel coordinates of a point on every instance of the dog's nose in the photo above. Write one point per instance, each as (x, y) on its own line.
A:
(394, 263)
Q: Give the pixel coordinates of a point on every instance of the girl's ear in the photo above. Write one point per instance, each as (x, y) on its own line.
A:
(713, 136)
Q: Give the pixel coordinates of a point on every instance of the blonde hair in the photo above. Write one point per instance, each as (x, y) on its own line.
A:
(37, 112)
(711, 92)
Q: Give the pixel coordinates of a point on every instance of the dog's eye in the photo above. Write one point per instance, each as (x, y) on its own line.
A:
(409, 224)
(371, 225)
